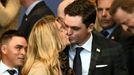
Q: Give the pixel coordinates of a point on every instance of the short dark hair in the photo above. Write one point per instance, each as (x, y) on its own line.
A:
(84, 8)
(6, 36)
(96, 1)
(126, 5)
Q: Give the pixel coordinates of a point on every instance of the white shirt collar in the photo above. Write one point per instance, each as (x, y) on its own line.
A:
(32, 6)
(4, 68)
(87, 45)
(111, 30)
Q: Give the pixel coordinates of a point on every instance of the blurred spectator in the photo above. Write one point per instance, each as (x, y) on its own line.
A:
(9, 12)
(114, 31)
(123, 13)
(35, 9)
(53, 5)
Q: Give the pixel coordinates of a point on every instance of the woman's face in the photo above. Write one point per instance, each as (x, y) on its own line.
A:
(63, 32)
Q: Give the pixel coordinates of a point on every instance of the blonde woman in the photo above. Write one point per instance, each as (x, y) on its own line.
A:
(47, 39)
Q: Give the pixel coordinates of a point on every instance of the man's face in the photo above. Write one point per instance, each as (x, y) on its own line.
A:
(78, 33)
(104, 17)
(124, 18)
(14, 51)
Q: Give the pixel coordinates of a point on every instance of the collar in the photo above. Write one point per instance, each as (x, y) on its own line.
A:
(87, 45)
(29, 9)
(110, 30)
(4, 68)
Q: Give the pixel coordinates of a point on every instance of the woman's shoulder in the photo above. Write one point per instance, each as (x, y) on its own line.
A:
(38, 68)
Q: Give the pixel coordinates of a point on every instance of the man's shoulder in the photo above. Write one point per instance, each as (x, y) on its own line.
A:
(41, 9)
(106, 45)
(120, 32)
(98, 38)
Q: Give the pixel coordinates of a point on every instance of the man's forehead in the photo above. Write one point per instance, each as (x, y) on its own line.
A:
(120, 15)
(17, 40)
(102, 3)
(72, 20)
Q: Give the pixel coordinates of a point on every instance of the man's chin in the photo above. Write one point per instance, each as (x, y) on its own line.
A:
(20, 64)
(72, 42)
(105, 26)
(68, 43)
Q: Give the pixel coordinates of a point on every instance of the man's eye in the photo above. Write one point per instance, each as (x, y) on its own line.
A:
(99, 10)
(75, 28)
(18, 47)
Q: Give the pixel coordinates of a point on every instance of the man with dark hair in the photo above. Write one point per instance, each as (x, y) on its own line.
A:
(114, 31)
(123, 13)
(90, 53)
(13, 52)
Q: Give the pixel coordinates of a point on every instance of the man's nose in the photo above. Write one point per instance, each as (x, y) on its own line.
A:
(104, 13)
(23, 51)
(69, 31)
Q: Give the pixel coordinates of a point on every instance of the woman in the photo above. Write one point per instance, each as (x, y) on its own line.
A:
(47, 39)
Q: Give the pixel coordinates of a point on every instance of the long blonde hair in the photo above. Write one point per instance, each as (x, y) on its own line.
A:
(44, 45)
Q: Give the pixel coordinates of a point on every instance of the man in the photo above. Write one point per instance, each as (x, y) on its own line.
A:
(99, 56)
(35, 10)
(123, 13)
(105, 20)
(115, 31)
(13, 52)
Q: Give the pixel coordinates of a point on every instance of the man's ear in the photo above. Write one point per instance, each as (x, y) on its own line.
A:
(4, 49)
(91, 27)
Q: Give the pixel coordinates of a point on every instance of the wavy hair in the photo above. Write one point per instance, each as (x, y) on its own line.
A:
(44, 44)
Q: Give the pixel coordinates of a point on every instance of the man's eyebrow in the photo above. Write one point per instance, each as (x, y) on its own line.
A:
(18, 45)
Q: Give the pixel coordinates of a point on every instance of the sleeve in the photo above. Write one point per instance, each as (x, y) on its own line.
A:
(38, 69)
(60, 10)
(62, 6)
